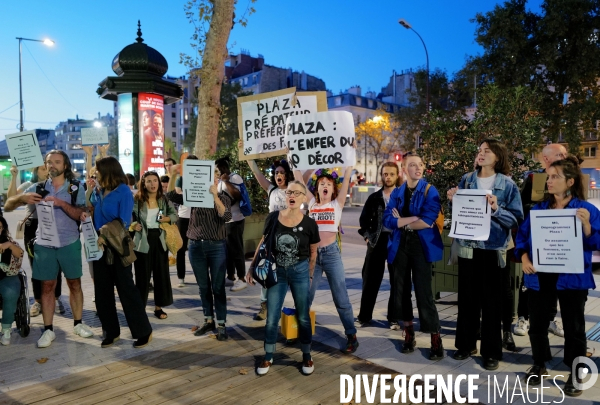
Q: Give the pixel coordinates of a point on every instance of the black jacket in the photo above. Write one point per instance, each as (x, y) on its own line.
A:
(371, 218)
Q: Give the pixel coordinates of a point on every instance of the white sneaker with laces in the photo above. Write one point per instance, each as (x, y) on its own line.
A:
(46, 340)
(556, 328)
(5, 341)
(239, 285)
(35, 309)
(59, 308)
(83, 330)
(181, 283)
(521, 327)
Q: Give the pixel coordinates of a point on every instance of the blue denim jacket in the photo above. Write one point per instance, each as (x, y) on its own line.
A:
(425, 207)
(581, 281)
(506, 217)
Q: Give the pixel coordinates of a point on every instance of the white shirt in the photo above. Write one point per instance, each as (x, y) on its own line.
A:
(486, 183)
(277, 199)
(151, 222)
(327, 216)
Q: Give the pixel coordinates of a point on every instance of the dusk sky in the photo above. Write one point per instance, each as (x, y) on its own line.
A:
(345, 43)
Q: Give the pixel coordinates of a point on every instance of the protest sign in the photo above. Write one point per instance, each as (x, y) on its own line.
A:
(94, 136)
(24, 150)
(557, 243)
(471, 215)
(323, 139)
(90, 240)
(48, 235)
(198, 176)
(261, 119)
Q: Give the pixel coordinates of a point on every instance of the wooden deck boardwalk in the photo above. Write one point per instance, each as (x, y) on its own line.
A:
(205, 371)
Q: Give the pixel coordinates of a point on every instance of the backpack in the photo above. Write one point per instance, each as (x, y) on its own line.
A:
(245, 206)
(439, 221)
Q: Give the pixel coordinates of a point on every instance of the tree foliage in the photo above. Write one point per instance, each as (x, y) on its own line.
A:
(451, 141)
(557, 52)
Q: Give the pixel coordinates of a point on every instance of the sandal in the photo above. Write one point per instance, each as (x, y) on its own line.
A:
(160, 314)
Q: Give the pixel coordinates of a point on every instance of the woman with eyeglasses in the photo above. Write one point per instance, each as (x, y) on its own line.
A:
(565, 191)
(151, 209)
(296, 240)
(327, 201)
(112, 200)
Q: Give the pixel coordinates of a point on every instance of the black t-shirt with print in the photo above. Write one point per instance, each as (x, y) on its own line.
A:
(292, 244)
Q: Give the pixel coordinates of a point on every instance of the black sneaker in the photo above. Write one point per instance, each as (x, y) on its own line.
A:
(508, 342)
(142, 342)
(221, 333)
(409, 340)
(108, 342)
(570, 389)
(208, 325)
(534, 375)
(351, 344)
(463, 354)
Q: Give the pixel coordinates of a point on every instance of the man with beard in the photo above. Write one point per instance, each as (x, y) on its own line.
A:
(376, 235)
(48, 258)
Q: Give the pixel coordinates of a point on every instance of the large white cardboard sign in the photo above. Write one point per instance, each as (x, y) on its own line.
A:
(261, 119)
(24, 150)
(198, 176)
(557, 243)
(94, 136)
(471, 215)
(323, 139)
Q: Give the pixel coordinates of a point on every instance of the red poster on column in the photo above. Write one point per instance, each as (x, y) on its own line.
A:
(152, 132)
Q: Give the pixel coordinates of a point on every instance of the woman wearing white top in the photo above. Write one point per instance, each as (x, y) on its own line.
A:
(325, 207)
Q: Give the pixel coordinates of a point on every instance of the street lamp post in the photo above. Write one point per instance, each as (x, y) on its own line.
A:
(45, 42)
(406, 25)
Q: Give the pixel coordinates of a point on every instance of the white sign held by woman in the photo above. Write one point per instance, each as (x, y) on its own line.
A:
(471, 215)
(324, 139)
(198, 176)
(557, 243)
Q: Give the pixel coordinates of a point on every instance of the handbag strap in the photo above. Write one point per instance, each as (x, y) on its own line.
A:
(27, 217)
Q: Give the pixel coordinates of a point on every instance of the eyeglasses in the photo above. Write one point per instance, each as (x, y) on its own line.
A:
(294, 193)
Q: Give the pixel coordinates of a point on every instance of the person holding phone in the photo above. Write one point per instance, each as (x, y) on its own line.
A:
(150, 209)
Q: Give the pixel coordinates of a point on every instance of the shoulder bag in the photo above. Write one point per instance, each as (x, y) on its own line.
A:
(264, 264)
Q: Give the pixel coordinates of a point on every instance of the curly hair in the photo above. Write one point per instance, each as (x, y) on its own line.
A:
(68, 167)
(289, 175)
(333, 180)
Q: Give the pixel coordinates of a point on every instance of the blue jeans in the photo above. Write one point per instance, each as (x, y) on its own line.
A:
(208, 262)
(296, 276)
(329, 260)
(10, 289)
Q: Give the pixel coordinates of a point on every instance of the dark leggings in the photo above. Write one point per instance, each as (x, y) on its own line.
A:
(182, 224)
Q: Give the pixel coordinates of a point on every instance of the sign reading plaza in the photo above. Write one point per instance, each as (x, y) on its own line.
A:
(471, 215)
(557, 243)
(198, 176)
(323, 139)
(261, 119)
(24, 150)
(94, 136)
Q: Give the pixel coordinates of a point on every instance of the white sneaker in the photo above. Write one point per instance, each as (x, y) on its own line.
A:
(228, 282)
(59, 308)
(35, 309)
(46, 340)
(264, 367)
(83, 330)
(521, 327)
(5, 341)
(308, 367)
(556, 328)
(239, 285)
(181, 283)
(394, 326)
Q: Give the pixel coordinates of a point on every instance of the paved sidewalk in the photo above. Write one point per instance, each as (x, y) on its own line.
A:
(22, 364)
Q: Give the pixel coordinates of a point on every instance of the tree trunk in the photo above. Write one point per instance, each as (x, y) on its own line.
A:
(211, 77)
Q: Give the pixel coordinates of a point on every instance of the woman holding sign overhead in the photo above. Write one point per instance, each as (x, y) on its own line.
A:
(480, 263)
(565, 191)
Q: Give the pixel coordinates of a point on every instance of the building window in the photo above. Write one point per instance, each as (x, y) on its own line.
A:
(173, 114)
(173, 134)
(173, 125)
(589, 152)
(174, 105)
(181, 116)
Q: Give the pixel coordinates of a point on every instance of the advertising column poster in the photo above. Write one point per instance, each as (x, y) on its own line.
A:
(125, 131)
(152, 132)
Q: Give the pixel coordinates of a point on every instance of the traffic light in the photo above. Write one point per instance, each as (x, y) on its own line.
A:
(397, 157)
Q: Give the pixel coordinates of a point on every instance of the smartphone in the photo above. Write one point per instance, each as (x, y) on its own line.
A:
(43, 192)
(159, 216)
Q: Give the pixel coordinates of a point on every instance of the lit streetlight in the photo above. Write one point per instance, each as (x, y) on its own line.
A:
(47, 42)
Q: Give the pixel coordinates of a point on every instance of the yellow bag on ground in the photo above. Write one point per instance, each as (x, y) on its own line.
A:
(289, 323)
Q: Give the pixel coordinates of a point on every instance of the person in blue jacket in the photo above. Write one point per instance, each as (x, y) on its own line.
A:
(565, 191)
(414, 244)
(480, 263)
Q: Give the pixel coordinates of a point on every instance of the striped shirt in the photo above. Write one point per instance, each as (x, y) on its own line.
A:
(205, 223)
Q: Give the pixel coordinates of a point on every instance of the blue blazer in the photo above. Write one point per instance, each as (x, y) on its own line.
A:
(583, 281)
(426, 208)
